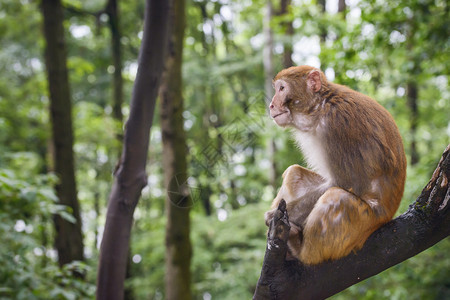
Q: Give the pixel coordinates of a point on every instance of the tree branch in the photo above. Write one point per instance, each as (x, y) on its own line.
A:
(426, 222)
(80, 11)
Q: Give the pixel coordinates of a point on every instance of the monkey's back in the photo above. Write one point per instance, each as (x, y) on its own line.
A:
(364, 144)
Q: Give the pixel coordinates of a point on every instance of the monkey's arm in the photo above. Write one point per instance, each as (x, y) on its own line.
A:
(425, 223)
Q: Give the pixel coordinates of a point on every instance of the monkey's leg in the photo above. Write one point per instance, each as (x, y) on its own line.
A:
(339, 223)
(299, 185)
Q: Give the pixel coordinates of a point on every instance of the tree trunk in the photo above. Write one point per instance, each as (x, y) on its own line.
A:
(268, 89)
(425, 223)
(411, 96)
(68, 239)
(178, 201)
(130, 176)
(205, 191)
(267, 52)
(412, 88)
(341, 7)
(323, 30)
(112, 9)
(289, 30)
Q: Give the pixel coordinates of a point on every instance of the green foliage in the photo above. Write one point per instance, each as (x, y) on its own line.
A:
(233, 247)
(377, 48)
(29, 269)
(226, 261)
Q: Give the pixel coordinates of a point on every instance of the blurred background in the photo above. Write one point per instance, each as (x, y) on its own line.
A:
(398, 52)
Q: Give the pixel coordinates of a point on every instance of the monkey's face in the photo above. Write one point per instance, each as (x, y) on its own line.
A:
(279, 108)
(294, 104)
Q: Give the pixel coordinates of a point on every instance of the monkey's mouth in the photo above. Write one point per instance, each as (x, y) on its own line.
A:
(277, 115)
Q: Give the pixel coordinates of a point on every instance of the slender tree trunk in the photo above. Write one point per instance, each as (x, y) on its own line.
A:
(97, 213)
(274, 178)
(178, 201)
(323, 30)
(268, 89)
(289, 30)
(411, 96)
(323, 5)
(204, 196)
(112, 9)
(130, 176)
(267, 51)
(69, 239)
(412, 91)
(287, 62)
(341, 7)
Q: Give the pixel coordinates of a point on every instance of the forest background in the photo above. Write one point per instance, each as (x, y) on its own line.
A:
(395, 51)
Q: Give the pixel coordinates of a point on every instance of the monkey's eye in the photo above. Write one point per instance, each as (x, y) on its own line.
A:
(281, 88)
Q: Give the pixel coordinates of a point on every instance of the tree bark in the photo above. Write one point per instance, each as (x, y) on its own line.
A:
(130, 175)
(112, 9)
(289, 30)
(425, 223)
(341, 7)
(412, 99)
(178, 200)
(267, 51)
(412, 89)
(323, 30)
(69, 238)
(268, 89)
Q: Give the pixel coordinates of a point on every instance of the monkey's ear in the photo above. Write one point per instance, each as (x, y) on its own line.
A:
(313, 81)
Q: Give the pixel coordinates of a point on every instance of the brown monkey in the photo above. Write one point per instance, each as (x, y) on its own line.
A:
(356, 153)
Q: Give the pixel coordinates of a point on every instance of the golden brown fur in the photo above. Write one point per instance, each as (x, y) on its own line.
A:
(354, 147)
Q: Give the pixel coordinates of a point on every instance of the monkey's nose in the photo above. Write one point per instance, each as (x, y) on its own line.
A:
(271, 106)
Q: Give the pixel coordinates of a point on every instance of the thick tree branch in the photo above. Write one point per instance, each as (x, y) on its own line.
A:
(426, 222)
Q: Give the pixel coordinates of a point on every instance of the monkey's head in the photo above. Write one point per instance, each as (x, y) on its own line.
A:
(296, 95)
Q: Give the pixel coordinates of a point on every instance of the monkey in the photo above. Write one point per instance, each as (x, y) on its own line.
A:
(357, 160)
